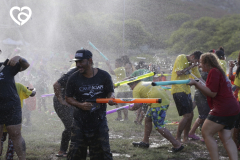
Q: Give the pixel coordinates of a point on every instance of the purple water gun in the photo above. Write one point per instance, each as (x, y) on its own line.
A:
(118, 109)
(46, 95)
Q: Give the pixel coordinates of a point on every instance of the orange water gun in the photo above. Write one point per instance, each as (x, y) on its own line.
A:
(126, 100)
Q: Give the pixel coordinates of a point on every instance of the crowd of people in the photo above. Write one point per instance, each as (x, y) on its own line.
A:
(85, 123)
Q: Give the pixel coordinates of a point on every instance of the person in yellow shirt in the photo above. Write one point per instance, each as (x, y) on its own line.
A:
(237, 84)
(183, 66)
(141, 69)
(123, 91)
(129, 67)
(156, 113)
(23, 93)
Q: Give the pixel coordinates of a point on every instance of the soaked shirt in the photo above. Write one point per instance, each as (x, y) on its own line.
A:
(146, 90)
(23, 92)
(120, 73)
(82, 88)
(64, 78)
(8, 91)
(204, 77)
(180, 64)
(224, 103)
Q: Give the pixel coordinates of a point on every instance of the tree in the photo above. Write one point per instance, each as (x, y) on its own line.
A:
(205, 34)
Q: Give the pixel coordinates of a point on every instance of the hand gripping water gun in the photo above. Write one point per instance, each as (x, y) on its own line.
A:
(199, 79)
(134, 79)
(196, 78)
(98, 51)
(118, 109)
(125, 100)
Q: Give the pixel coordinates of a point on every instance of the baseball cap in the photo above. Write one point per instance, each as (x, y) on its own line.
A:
(82, 54)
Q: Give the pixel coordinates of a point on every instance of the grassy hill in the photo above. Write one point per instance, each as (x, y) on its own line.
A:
(155, 14)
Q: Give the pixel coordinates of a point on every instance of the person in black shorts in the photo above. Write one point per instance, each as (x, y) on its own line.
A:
(10, 106)
(224, 107)
(90, 127)
(63, 110)
(184, 66)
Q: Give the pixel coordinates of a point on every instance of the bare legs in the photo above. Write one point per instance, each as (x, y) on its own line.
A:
(163, 131)
(125, 112)
(236, 133)
(209, 129)
(19, 145)
(228, 143)
(196, 124)
(184, 125)
(119, 114)
(147, 129)
(140, 116)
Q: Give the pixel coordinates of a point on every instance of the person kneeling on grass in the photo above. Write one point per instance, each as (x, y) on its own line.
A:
(155, 114)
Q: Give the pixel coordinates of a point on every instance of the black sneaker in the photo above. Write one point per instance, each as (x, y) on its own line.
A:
(177, 149)
(140, 144)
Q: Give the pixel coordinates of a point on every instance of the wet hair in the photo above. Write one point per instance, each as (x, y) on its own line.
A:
(220, 54)
(212, 60)
(238, 65)
(196, 54)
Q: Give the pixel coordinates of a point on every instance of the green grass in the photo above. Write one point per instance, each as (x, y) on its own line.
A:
(43, 139)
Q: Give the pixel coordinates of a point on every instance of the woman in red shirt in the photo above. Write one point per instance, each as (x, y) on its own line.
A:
(224, 107)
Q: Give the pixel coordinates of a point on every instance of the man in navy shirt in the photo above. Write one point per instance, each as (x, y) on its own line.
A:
(90, 124)
(10, 106)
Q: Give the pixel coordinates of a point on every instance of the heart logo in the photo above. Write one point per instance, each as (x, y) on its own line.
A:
(22, 21)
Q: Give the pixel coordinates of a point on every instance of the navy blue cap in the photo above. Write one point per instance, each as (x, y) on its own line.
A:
(82, 54)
